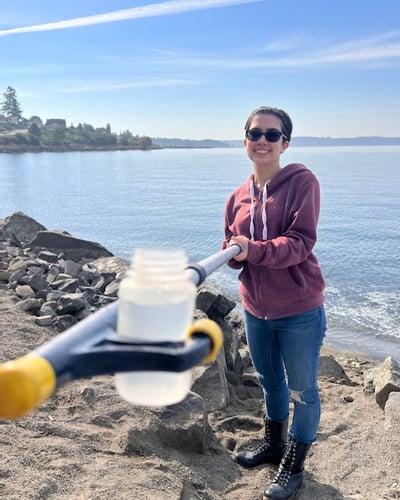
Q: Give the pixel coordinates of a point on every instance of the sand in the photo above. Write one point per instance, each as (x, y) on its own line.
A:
(75, 445)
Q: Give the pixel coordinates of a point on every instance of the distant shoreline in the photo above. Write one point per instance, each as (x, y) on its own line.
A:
(176, 143)
(296, 141)
(10, 149)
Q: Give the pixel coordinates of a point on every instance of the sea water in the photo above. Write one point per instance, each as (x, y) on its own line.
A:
(129, 199)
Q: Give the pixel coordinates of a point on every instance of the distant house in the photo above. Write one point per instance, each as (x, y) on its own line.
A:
(53, 123)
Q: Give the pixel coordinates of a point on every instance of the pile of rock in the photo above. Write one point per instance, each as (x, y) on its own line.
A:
(58, 278)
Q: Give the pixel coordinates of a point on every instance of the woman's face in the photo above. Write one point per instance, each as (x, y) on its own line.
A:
(263, 152)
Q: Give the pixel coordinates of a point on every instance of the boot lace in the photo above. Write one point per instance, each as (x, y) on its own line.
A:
(265, 443)
(286, 466)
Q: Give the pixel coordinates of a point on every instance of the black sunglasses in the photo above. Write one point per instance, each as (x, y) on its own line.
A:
(272, 134)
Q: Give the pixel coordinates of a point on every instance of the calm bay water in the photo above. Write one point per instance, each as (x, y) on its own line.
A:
(175, 198)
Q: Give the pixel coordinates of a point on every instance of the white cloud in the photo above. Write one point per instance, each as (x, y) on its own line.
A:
(289, 42)
(378, 50)
(156, 9)
(111, 86)
(380, 47)
(84, 87)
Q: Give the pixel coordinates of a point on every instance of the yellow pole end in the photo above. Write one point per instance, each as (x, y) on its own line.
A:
(213, 330)
(24, 384)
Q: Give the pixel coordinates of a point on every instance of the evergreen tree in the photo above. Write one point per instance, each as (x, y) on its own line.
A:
(11, 107)
(34, 130)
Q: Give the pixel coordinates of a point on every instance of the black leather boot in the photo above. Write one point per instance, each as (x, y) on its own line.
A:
(271, 449)
(289, 478)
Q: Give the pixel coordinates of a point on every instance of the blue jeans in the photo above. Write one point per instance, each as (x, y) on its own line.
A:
(289, 347)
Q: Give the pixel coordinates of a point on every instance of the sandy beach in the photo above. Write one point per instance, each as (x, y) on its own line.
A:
(76, 445)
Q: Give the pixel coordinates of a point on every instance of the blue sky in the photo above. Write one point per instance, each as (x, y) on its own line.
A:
(196, 68)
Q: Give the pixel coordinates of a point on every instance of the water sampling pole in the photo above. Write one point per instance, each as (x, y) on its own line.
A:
(92, 347)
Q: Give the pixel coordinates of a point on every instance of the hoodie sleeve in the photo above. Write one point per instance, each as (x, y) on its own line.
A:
(228, 233)
(296, 243)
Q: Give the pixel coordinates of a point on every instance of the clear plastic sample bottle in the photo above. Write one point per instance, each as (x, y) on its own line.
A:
(156, 304)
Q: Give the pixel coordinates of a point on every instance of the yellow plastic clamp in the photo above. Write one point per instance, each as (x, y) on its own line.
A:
(24, 384)
(213, 330)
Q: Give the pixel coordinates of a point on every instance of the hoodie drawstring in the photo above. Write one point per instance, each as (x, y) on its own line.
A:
(264, 213)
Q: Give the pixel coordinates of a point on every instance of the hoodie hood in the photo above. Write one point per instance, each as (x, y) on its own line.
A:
(291, 170)
(280, 178)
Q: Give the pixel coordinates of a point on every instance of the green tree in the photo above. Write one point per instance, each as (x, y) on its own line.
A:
(37, 120)
(125, 138)
(146, 142)
(34, 129)
(21, 139)
(11, 107)
(58, 135)
(34, 134)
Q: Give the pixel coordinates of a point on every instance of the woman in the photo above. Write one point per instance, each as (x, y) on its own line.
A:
(273, 216)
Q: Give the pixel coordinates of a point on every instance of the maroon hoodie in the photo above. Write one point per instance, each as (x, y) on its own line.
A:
(281, 275)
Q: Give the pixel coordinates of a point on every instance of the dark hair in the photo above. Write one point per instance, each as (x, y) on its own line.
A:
(287, 124)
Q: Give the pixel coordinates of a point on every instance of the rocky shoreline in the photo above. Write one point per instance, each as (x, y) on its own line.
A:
(17, 149)
(50, 280)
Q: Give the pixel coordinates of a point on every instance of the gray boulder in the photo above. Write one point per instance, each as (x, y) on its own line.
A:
(75, 249)
(330, 369)
(111, 265)
(387, 380)
(392, 413)
(19, 227)
(213, 301)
